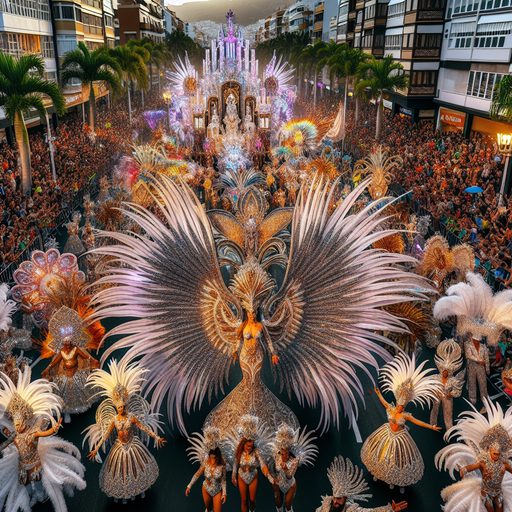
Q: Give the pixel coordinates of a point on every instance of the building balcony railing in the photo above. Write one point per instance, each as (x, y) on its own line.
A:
(426, 52)
(422, 90)
(431, 15)
(318, 26)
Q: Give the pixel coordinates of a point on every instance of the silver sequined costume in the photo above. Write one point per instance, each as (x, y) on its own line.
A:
(214, 479)
(393, 456)
(130, 469)
(477, 371)
(452, 388)
(286, 476)
(248, 466)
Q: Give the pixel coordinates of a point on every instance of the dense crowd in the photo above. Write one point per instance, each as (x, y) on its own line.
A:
(79, 159)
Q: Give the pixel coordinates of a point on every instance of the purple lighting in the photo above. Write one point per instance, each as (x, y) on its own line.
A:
(153, 117)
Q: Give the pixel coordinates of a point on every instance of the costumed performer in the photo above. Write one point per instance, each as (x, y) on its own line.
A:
(291, 450)
(448, 360)
(481, 456)
(251, 442)
(349, 486)
(130, 469)
(36, 465)
(390, 453)
(206, 449)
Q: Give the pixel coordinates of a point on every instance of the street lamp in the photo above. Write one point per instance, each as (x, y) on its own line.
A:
(167, 97)
(505, 146)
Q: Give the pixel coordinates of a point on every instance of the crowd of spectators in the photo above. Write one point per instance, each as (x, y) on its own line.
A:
(439, 167)
(79, 159)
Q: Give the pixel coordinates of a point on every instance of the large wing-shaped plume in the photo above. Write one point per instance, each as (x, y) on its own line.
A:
(169, 279)
(324, 318)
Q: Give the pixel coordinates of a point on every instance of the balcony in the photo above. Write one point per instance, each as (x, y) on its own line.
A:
(318, 26)
(422, 90)
(319, 9)
(429, 53)
(431, 15)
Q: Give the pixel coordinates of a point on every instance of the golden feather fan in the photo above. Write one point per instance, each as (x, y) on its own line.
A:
(391, 243)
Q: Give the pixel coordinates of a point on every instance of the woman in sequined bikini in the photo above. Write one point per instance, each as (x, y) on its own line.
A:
(245, 472)
(214, 485)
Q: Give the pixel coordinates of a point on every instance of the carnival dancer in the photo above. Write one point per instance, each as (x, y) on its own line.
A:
(36, 465)
(291, 450)
(349, 486)
(251, 441)
(448, 360)
(206, 449)
(477, 356)
(390, 453)
(481, 456)
(125, 416)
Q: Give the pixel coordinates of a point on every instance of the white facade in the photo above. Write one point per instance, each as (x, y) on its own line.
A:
(477, 44)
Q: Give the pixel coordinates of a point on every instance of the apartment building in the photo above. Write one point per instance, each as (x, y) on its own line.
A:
(300, 17)
(475, 55)
(318, 21)
(139, 19)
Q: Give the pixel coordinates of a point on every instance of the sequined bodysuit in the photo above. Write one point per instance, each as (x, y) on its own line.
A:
(286, 476)
(247, 468)
(214, 479)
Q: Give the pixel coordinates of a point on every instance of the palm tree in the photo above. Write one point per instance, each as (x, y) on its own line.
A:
(501, 106)
(380, 75)
(21, 91)
(90, 67)
(309, 57)
(132, 68)
(178, 43)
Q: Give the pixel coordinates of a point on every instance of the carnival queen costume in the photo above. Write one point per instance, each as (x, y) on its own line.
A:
(125, 416)
(36, 464)
(390, 453)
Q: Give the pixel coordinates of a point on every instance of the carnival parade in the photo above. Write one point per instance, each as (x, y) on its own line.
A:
(244, 295)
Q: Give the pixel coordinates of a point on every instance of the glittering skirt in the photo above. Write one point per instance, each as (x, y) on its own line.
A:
(393, 456)
(77, 397)
(129, 470)
(74, 245)
(251, 398)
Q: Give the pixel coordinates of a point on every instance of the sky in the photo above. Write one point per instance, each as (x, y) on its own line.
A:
(246, 11)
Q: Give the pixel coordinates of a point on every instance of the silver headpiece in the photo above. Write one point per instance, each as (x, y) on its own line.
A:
(286, 437)
(212, 438)
(347, 480)
(248, 427)
(496, 438)
(448, 356)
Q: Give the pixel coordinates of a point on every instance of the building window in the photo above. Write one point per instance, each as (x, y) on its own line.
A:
(379, 41)
(394, 42)
(368, 39)
(482, 84)
(359, 18)
(109, 21)
(343, 11)
(396, 10)
(92, 24)
(20, 44)
(66, 44)
(342, 29)
(369, 12)
(494, 4)
(408, 41)
(93, 45)
(432, 4)
(424, 78)
(38, 9)
(492, 35)
(47, 47)
(382, 10)
(63, 12)
(428, 40)
(461, 6)
(461, 35)
(92, 3)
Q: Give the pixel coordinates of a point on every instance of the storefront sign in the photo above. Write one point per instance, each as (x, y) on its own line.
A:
(427, 113)
(452, 117)
(388, 104)
(405, 111)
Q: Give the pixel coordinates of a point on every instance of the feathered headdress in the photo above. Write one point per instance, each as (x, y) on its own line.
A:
(408, 383)
(67, 323)
(448, 356)
(27, 399)
(251, 285)
(476, 309)
(347, 480)
(7, 308)
(202, 444)
(123, 380)
(301, 446)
